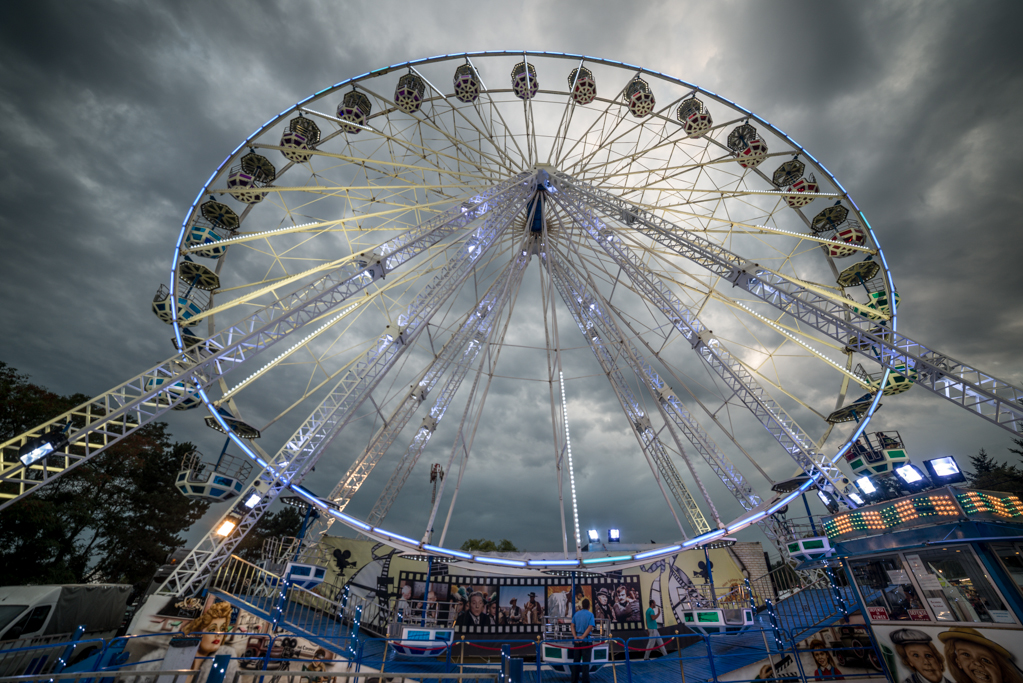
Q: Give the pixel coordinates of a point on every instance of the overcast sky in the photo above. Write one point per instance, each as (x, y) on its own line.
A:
(112, 115)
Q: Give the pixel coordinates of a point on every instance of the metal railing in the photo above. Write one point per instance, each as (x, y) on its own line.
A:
(769, 654)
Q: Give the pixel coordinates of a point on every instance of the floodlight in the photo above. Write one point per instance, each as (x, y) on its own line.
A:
(866, 485)
(910, 474)
(593, 535)
(614, 535)
(855, 497)
(828, 501)
(944, 470)
(41, 446)
(253, 500)
(228, 525)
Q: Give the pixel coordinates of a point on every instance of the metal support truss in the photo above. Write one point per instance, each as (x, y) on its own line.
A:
(676, 415)
(460, 350)
(509, 284)
(989, 397)
(601, 343)
(110, 417)
(737, 378)
(302, 450)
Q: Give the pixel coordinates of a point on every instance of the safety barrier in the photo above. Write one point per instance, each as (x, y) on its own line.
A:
(689, 658)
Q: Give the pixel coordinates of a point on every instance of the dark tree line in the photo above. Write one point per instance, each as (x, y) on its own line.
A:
(114, 518)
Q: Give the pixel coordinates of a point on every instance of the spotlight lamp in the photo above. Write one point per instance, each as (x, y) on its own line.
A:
(593, 535)
(228, 526)
(944, 470)
(856, 498)
(828, 501)
(614, 535)
(911, 476)
(39, 447)
(866, 485)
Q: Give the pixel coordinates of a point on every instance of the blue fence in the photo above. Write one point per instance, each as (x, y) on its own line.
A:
(769, 654)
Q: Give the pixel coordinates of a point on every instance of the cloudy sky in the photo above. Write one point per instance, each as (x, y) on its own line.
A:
(114, 114)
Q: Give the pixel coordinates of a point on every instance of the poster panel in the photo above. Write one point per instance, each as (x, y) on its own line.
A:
(919, 653)
(833, 653)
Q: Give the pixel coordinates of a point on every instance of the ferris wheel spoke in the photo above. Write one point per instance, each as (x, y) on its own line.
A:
(993, 399)
(362, 162)
(107, 419)
(459, 352)
(508, 162)
(457, 142)
(774, 418)
(636, 127)
(481, 328)
(728, 157)
(301, 452)
(602, 118)
(588, 310)
(676, 415)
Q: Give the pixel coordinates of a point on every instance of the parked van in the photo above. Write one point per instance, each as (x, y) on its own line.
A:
(31, 612)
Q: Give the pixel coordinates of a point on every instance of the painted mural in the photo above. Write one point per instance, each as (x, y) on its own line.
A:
(833, 653)
(956, 654)
(374, 570)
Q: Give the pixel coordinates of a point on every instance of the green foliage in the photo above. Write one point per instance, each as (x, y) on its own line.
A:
(114, 518)
(991, 475)
(483, 545)
(284, 522)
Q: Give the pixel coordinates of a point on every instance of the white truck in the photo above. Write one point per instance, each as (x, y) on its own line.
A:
(31, 613)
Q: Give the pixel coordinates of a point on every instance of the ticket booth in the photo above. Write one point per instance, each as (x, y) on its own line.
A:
(939, 576)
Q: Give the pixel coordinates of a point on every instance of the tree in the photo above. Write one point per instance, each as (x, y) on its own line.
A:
(990, 475)
(484, 545)
(114, 518)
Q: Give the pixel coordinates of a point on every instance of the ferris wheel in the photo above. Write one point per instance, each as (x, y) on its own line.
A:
(395, 251)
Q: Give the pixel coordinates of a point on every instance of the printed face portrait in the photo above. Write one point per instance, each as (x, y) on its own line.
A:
(210, 642)
(821, 658)
(476, 604)
(977, 662)
(922, 658)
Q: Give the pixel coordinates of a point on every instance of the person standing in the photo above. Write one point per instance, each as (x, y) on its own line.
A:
(582, 626)
(652, 613)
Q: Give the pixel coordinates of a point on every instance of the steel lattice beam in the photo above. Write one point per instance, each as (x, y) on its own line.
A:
(739, 380)
(459, 351)
(107, 419)
(302, 450)
(638, 419)
(993, 399)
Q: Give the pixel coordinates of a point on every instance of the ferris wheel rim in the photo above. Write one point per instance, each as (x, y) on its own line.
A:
(741, 522)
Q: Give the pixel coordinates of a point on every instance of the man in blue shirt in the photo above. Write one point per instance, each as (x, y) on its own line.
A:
(582, 626)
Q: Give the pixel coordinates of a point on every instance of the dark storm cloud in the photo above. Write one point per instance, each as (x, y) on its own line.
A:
(113, 115)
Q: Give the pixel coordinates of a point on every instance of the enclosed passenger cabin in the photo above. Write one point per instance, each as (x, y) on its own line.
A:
(639, 97)
(745, 143)
(694, 117)
(215, 482)
(523, 81)
(583, 85)
(220, 215)
(354, 111)
(803, 191)
(788, 173)
(408, 94)
(172, 391)
(876, 453)
(301, 136)
(252, 173)
(466, 83)
(187, 306)
(851, 234)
